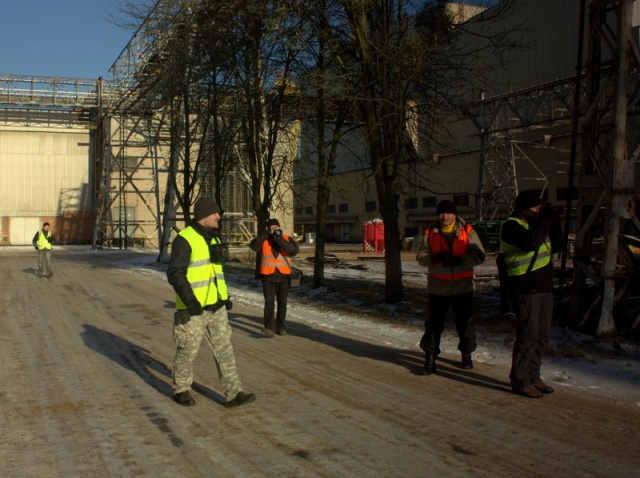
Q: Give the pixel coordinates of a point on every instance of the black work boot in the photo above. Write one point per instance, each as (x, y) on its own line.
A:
(429, 365)
(240, 399)
(467, 363)
(184, 399)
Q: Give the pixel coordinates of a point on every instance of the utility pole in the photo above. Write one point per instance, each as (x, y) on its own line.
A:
(606, 200)
(599, 100)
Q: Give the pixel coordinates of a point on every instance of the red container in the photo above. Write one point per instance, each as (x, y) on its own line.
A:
(373, 237)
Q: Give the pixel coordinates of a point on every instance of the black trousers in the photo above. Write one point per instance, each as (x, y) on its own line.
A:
(462, 306)
(534, 313)
(275, 291)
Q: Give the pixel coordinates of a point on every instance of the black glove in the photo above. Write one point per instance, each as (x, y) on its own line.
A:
(452, 261)
(228, 304)
(216, 253)
(439, 257)
(181, 317)
(194, 308)
(35, 247)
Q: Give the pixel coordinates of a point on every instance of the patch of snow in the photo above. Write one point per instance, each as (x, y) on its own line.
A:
(575, 361)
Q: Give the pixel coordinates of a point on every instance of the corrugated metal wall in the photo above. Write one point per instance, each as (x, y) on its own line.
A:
(45, 176)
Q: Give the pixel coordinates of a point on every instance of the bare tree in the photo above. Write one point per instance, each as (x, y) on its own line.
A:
(188, 79)
(262, 47)
(403, 61)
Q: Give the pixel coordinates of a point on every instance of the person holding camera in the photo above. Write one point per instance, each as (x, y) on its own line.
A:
(274, 250)
(528, 238)
(202, 300)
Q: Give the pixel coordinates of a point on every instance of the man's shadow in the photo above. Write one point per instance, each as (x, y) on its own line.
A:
(412, 360)
(138, 359)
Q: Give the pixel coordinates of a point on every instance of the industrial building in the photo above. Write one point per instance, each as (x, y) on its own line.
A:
(514, 134)
(92, 156)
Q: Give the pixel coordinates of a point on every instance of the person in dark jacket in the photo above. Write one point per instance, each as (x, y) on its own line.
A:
(450, 249)
(43, 243)
(202, 300)
(274, 250)
(528, 238)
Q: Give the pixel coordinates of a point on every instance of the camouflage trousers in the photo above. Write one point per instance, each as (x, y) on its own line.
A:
(214, 327)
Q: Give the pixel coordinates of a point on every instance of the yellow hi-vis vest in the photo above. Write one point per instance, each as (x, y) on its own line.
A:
(43, 243)
(517, 260)
(206, 277)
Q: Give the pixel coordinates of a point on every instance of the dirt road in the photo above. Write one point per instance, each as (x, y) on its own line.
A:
(86, 360)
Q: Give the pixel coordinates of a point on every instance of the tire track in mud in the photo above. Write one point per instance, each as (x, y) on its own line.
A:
(79, 408)
(88, 357)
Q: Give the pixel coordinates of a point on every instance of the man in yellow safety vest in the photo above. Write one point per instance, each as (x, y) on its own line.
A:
(202, 300)
(528, 238)
(42, 242)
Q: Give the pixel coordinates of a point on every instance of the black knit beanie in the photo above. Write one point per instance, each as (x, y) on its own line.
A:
(527, 200)
(446, 206)
(205, 207)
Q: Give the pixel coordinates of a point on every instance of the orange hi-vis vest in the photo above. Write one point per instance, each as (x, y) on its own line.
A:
(437, 243)
(269, 262)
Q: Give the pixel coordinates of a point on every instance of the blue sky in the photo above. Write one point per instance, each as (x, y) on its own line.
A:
(63, 38)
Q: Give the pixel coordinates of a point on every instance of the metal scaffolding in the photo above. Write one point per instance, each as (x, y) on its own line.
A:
(597, 104)
(51, 101)
(136, 141)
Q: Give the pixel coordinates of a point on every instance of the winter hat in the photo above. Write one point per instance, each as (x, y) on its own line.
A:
(273, 222)
(446, 206)
(527, 200)
(205, 207)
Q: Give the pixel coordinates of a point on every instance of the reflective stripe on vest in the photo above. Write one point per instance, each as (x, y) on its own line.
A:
(206, 277)
(269, 263)
(517, 260)
(437, 243)
(43, 243)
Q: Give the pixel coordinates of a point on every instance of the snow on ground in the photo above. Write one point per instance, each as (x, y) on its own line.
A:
(575, 361)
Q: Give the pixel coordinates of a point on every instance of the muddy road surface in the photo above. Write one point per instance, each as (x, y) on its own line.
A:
(86, 372)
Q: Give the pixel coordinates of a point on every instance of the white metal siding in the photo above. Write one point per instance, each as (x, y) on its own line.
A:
(43, 173)
(22, 230)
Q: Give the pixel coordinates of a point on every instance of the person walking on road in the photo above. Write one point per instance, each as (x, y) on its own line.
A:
(527, 239)
(275, 249)
(450, 249)
(43, 243)
(202, 300)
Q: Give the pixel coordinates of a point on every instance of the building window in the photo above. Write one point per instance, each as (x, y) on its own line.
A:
(563, 193)
(308, 210)
(371, 206)
(461, 199)
(120, 221)
(299, 210)
(344, 207)
(331, 208)
(411, 203)
(411, 231)
(431, 201)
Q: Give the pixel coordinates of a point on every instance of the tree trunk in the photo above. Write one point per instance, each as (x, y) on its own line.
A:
(393, 291)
